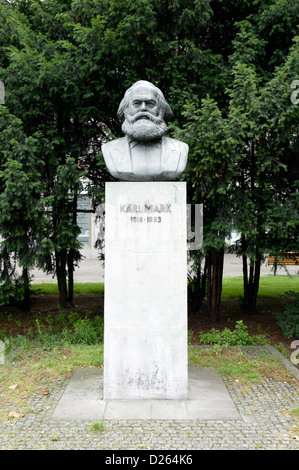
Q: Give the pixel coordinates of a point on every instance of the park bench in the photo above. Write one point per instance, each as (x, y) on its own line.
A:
(289, 259)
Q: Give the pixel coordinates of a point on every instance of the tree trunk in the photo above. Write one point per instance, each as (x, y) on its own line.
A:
(251, 283)
(71, 255)
(197, 287)
(70, 269)
(202, 287)
(26, 282)
(214, 266)
(62, 280)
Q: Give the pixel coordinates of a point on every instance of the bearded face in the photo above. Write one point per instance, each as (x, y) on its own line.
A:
(144, 127)
(144, 119)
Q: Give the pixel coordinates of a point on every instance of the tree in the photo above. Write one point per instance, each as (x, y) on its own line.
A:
(64, 229)
(245, 120)
(67, 64)
(209, 172)
(23, 220)
(43, 89)
(260, 157)
(283, 112)
(258, 166)
(65, 74)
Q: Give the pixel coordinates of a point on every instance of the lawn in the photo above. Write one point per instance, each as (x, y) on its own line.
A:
(270, 286)
(79, 288)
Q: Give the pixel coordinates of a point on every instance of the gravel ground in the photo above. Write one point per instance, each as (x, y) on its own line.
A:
(266, 423)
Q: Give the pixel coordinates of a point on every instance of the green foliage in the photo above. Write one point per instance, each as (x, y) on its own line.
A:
(288, 320)
(75, 330)
(237, 337)
(190, 336)
(225, 68)
(15, 346)
(22, 215)
(69, 330)
(88, 331)
(242, 158)
(12, 293)
(98, 426)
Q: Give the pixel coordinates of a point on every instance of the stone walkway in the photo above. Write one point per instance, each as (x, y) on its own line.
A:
(265, 423)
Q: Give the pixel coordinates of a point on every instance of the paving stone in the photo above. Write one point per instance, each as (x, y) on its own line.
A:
(265, 422)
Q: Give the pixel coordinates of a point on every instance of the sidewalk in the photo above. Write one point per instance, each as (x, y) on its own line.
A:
(93, 271)
(260, 419)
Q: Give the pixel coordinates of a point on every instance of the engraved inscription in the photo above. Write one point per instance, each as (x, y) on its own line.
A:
(145, 208)
(146, 219)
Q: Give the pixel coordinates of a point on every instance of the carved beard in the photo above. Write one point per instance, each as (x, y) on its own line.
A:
(144, 127)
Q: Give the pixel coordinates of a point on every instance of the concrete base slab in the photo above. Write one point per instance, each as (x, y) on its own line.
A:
(208, 399)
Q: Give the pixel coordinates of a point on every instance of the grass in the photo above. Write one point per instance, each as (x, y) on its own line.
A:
(98, 426)
(270, 286)
(233, 363)
(35, 362)
(34, 369)
(46, 353)
(79, 288)
(295, 428)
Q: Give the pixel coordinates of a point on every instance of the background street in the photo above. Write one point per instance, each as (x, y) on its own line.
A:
(93, 271)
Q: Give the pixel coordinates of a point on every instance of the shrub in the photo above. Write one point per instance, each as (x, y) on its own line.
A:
(88, 331)
(288, 320)
(12, 294)
(76, 331)
(238, 337)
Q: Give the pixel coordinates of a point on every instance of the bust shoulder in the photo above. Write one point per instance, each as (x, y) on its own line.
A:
(178, 144)
(113, 144)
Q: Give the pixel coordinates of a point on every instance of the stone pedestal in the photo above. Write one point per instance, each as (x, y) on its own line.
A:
(145, 338)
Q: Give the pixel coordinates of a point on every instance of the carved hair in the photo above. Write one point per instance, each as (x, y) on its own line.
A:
(165, 108)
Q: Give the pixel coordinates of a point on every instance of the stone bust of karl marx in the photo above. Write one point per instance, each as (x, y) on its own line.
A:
(144, 154)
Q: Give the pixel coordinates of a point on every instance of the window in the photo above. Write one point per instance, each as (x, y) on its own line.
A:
(84, 220)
